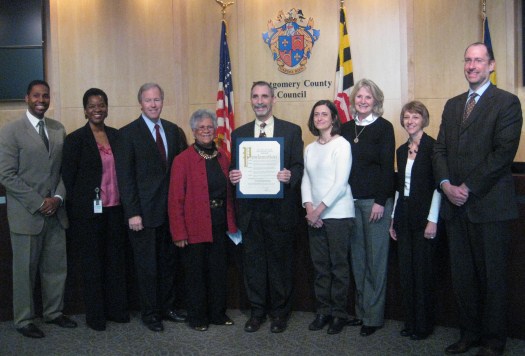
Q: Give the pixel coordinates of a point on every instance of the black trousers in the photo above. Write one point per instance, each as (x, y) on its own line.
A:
(478, 257)
(268, 265)
(101, 241)
(155, 264)
(416, 272)
(206, 288)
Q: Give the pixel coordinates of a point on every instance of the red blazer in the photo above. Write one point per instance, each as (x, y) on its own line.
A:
(189, 201)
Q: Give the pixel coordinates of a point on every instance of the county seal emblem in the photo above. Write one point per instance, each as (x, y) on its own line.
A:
(291, 39)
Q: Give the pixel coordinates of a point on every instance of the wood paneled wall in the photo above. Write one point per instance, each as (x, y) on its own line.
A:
(411, 49)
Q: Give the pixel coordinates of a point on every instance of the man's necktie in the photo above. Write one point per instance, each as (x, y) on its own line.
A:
(470, 106)
(160, 144)
(42, 133)
(262, 133)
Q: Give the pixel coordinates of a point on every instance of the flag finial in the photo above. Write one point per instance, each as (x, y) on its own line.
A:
(224, 6)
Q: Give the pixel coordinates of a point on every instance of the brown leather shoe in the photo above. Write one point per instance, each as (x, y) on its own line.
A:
(462, 346)
(31, 330)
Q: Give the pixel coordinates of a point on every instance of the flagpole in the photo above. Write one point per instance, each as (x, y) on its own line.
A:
(225, 105)
(342, 3)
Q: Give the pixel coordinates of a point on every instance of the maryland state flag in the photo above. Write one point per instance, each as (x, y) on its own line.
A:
(488, 43)
(224, 108)
(344, 76)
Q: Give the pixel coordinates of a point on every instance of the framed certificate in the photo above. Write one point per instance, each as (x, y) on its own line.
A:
(259, 160)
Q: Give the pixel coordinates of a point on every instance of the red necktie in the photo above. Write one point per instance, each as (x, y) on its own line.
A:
(160, 144)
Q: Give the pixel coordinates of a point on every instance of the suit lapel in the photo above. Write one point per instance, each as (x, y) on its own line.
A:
(480, 107)
(33, 134)
(148, 137)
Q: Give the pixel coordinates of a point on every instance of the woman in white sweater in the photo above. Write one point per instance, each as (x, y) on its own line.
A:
(329, 204)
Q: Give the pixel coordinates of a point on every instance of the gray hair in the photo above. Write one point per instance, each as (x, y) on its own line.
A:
(148, 86)
(200, 115)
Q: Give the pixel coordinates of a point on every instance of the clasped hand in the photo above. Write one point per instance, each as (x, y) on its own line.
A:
(49, 206)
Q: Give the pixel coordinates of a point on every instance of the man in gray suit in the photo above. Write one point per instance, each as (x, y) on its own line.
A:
(477, 141)
(30, 159)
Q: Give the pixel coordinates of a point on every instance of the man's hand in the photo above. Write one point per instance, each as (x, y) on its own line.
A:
(50, 206)
(235, 176)
(135, 223)
(284, 176)
(456, 195)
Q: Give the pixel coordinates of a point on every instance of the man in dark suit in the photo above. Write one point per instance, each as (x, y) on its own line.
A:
(30, 160)
(476, 145)
(145, 151)
(268, 224)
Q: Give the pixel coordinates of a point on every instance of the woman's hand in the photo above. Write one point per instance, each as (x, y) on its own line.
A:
(181, 243)
(392, 231)
(430, 230)
(313, 216)
(377, 213)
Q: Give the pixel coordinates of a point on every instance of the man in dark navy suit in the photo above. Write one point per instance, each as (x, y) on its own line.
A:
(477, 142)
(145, 151)
(268, 224)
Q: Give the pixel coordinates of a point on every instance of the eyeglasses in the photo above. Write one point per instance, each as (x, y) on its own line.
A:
(475, 60)
(205, 128)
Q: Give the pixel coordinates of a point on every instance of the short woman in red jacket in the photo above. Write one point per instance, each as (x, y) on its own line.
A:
(200, 207)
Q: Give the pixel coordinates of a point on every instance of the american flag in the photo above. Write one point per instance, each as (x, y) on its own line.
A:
(488, 42)
(224, 110)
(344, 76)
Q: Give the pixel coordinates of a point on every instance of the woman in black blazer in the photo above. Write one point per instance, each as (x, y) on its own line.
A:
(414, 223)
(95, 213)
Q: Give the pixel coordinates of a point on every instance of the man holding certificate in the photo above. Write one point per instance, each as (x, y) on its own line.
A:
(268, 223)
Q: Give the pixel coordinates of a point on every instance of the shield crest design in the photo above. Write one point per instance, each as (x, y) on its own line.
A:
(291, 49)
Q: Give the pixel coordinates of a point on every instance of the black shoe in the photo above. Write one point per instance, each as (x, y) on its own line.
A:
(406, 332)
(200, 327)
(31, 330)
(153, 323)
(337, 325)
(461, 346)
(368, 330)
(172, 315)
(279, 324)
(253, 324)
(355, 322)
(224, 321)
(63, 321)
(319, 322)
